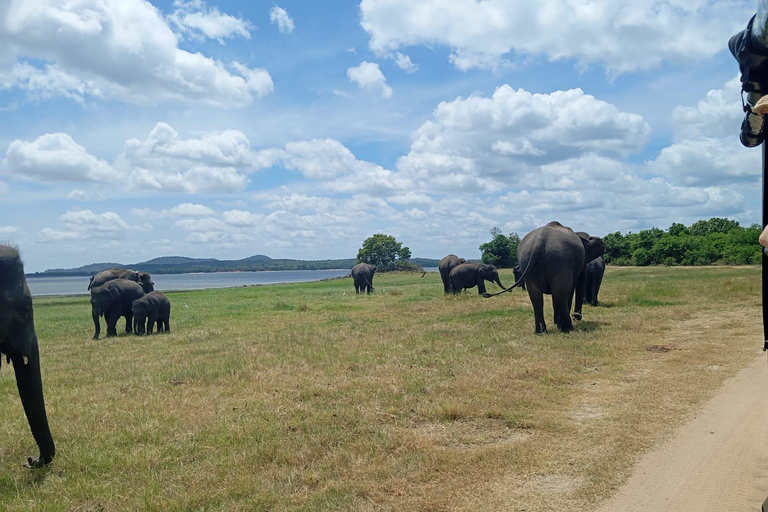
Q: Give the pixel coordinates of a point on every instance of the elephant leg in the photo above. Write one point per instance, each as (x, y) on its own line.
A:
(114, 316)
(481, 287)
(579, 291)
(129, 323)
(537, 301)
(167, 323)
(560, 301)
(97, 326)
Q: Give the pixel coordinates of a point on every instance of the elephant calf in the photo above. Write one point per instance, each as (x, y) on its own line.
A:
(18, 342)
(593, 278)
(469, 275)
(445, 266)
(152, 308)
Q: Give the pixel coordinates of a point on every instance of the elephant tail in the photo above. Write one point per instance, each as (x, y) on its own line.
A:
(425, 273)
(521, 281)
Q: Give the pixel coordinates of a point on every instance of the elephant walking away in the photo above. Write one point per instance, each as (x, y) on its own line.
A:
(18, 342)
(144, 279)
(553, 260)
(469, 275)
(153, 308)
(112, 300)
(445, 266)
(593, 278)
(362, 274)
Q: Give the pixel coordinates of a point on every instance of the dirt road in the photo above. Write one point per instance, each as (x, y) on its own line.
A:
(717, 462)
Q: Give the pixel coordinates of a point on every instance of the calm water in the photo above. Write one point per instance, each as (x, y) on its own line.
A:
(78, 284)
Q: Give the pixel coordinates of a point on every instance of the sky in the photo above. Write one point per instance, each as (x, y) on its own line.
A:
(131, 130)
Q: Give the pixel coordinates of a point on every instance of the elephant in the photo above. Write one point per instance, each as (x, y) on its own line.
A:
(114, 299)
(553, 258)
(593, 278)
(152, 308)
(362, 273)
(469, 275)
(445, 266)
(18, 341)
(518, 275)
(143, 278)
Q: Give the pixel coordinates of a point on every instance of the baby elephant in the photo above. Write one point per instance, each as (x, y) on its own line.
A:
(469, 275)
(151, 308)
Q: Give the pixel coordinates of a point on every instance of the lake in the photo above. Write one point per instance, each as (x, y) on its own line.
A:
(77, 285)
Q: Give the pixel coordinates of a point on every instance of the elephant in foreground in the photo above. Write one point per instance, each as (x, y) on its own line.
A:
(553, 259)
(18, 342)
(445, 266)
(593, 278)
(143, 278)
(362, 274)
(469, 275)
(153, 308)
(112, 300)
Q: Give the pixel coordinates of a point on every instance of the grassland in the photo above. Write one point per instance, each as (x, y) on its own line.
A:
(307, 397)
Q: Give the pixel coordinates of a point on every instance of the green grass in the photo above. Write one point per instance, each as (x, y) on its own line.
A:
(308, 397)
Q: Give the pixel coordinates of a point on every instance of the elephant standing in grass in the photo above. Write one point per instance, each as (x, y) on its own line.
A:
(18, 343)
(153, 308)
(553, 260)
(143, 278)
(469, 275)
(593, 278)
(445, 266)
(112, 300)
(362, 274)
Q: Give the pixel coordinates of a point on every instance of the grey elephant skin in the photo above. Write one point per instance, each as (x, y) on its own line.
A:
(112, 300)
(445, 266)
(593, 278)
(553, 258)
(362, 275)
(469, 275)
(18, 342)
(153, 308)
(518, 276)
(143, 278)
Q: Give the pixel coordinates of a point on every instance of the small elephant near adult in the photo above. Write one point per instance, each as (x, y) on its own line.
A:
(593, 278)
(362, 275)
(112, 300)
(445, 266)
(153, 308)
(18, 342)
(143, 278)
(469, 275)
(518, 276)
(553, 258)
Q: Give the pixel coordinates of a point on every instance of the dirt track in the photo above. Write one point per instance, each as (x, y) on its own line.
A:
(717, 462)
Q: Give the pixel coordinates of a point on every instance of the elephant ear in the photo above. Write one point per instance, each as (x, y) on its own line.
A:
(114, 293)
(154, 304)
(462, 260)
(483, 270)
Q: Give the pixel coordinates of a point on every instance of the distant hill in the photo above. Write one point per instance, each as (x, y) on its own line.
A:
(183, 265)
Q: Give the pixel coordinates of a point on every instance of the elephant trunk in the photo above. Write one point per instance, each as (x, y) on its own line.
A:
(30, 384)
(498, 282)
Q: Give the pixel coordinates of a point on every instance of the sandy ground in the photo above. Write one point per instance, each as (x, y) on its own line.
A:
(717, 462)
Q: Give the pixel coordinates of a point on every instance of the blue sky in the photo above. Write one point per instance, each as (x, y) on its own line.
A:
(132, 129)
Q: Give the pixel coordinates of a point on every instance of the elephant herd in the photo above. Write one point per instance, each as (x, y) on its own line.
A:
(553, 260)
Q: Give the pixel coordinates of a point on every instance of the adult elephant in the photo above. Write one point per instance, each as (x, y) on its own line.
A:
(18, 341)
(445, 266)
(362, 274)
(469, 275)
(112, 300)
(593, 278)
(143, 278)
(553, 259)
(153, 308)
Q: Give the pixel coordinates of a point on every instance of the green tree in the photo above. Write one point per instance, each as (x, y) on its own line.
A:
(502, 250)
(713, 225)
(382, 251)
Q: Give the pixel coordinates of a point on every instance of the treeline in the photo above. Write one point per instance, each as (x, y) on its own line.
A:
(706, 242)
(716, 241)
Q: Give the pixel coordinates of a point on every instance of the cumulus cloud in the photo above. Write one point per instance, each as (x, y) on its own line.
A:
(7, 230)
(622, 35)
(57, 157)
(120, 50)
(196, 18)
(280, 16)
(368, 76)
(404, 62)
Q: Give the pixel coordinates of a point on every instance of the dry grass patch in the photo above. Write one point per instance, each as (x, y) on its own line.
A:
(309, 397)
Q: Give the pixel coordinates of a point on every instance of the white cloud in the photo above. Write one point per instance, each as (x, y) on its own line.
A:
(56, 235)
(194, 16)
(191, 210)
(113, 49)
(57, 157)
(404, 62)
(280, 16)
(6, 230)
(622, 35)
(368, 76)
(78, 195)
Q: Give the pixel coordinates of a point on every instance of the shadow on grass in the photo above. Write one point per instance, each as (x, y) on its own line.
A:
(588, 326)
